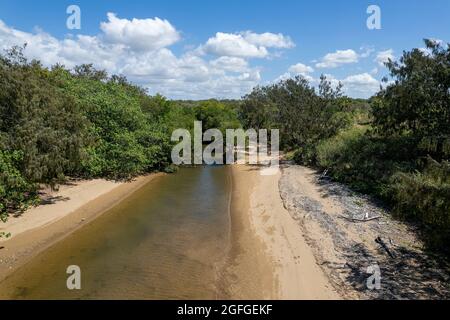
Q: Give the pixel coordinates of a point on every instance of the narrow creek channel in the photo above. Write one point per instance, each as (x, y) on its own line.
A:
(168, 240)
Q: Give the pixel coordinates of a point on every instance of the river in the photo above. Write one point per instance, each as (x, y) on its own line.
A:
(168, 240)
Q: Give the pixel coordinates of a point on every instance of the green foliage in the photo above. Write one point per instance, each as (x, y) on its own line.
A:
(425, 197)
(216, 115)
(125, 140)
(411, 121)
(418, 102)
(364, 161)
(376, 146)
(5, 235)
(38, 120)
(303, 116)
(16, 193)
(82, 123)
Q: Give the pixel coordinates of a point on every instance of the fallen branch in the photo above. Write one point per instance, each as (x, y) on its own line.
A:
(324, 176)
(361, 220)
(385, 247)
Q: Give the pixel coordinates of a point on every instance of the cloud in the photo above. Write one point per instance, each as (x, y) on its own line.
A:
(139, 34)
(295, 70)
(338, 58)
(366, 52)
(384, 56)
(233, 45)
(232, 64)
(300, 68)
(361, 85)
(245, 44)
(357, 86)
(139, 49)
(269, 40)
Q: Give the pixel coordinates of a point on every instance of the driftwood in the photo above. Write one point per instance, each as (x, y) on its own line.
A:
(385, 247)
(324, 176)
(352, 219)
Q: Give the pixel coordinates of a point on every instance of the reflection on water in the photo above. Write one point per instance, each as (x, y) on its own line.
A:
(166, 241)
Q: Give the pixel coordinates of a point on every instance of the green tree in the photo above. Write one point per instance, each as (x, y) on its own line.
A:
(417, 103)
(38, 120)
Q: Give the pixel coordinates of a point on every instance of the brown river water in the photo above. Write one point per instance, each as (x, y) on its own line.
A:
(168, 240)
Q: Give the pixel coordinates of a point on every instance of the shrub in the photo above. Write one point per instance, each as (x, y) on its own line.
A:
(425, 197)
(15, 192)
(364, 161)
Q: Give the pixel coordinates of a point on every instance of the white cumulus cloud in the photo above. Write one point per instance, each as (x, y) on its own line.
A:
(140, 34)
(361, 85)
(269, 40)
(245, 44)
(357, 86)
(300, 68)
(338, 58)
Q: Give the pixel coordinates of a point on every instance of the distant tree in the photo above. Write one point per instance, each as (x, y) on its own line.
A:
(119, 79)
(88, 71)
(257, 111)
(216, 115)
(302, 115)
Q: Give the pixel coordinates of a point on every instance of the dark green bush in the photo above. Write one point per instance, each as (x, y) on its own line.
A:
(16, 193)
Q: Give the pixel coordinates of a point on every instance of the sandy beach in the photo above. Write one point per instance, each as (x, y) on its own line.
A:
(291, 269)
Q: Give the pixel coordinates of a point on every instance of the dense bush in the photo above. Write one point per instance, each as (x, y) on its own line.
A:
(425, 197)
(15, 191)
(125, 140)
(39, 121)
(417, 104)
(215, 114)
(364, 161)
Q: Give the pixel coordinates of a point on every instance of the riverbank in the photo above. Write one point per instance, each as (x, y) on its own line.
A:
(351, 235)
(271, 254)
(74, 205)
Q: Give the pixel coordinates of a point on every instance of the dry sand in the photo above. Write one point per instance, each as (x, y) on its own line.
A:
(279, 253)
(346, 249)
(57, 205)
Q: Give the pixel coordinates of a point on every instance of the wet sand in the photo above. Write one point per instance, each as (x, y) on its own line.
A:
(248, 272)
(272, 252)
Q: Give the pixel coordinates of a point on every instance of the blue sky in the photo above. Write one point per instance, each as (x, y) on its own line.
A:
(201, 49)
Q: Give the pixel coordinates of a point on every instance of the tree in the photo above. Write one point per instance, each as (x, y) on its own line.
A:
(88, 71)
(417, 103)
(37, 120)
(216, 115)
(303, 116)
